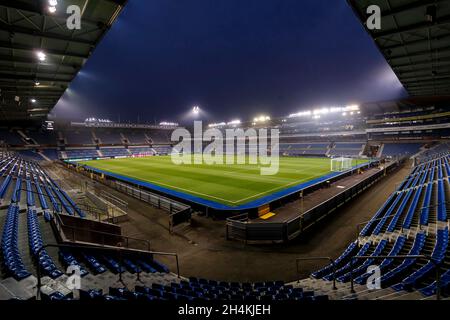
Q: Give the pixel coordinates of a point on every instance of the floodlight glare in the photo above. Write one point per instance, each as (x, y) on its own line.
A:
(53, 3)
(52, 9)
(261, 119)
(33, 100)
(196, 110)
(41, 55)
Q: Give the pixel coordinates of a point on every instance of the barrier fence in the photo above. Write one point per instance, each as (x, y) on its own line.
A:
(242, 228)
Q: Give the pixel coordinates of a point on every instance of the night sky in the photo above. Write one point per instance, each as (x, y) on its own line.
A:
(233, 58)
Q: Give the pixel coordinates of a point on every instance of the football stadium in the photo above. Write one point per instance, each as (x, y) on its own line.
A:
(108, 192)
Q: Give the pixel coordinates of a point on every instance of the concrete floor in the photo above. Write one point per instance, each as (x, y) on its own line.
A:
(204, 251)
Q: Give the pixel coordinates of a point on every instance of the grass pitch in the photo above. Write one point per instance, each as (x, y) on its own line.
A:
(231, 185)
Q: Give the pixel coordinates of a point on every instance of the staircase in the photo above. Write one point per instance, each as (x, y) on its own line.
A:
(44, 156)
(380, 151)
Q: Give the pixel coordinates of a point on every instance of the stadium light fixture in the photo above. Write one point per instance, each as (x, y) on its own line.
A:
(170, 124)
(41, 55)
(324, 111)
(261, 119)
(33, 100)
(195, 109)
(53, 3)
(353, 107)
(234, 122)
(37, 83)
(214, 125)
(52, 9)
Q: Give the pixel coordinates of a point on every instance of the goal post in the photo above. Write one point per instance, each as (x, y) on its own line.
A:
(341, 164)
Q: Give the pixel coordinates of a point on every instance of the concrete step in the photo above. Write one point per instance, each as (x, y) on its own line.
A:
(23, 244)
(48, 237)
(375, 294)
(24, 289)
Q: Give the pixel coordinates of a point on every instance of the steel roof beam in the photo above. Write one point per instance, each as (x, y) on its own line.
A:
(434, 81)
(429, 69)
(412, 28)
(24, 85)
(43, 34)
(13, 59)
(419, 78)
(15, 46)
(26, 92)
(424, 62)
(34, 71)
(411, 6)
(419, 42)
(437, 51)
(31, 78)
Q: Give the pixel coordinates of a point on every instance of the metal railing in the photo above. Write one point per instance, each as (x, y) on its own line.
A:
(119, 251)
(436, 264)
(292, 228)
(60, 225)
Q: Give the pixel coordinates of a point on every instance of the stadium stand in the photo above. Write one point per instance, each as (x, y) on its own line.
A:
(114, 152)
(10, 137)
(111, 137)
(157, 283)
(305, 149)
(158, 136)
(42, 138)
(81, 137)
(403, 149)
(162, 150)
(136, 137)
(414, 222)
(141, 150)
(347, 149)
(79, 153)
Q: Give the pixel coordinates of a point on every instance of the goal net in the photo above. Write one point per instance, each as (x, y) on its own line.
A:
(341, 164)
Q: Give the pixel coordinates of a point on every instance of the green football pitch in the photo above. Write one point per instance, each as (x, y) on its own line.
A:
(231, 185)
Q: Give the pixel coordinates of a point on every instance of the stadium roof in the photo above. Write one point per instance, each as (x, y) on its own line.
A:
(28, 29)
(405, 104)
(414, 38)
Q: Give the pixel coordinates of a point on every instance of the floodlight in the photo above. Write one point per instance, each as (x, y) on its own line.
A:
(196, 110)
(41, 55)
(53, 3)
(33, 100)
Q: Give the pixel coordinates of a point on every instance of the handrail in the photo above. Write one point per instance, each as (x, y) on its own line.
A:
(127, 238)
(424, 256)
(119, 250)
(94, 211)
(56, 214)
(333, 264)
(238, 217)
